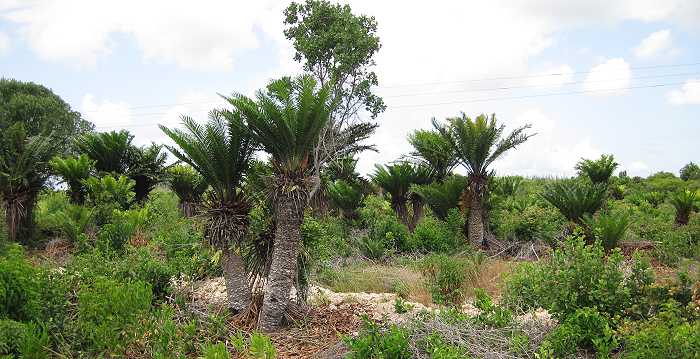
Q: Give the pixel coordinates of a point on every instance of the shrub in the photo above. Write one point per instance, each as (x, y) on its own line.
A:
(598, 171)
(576, 276)
(574, 199)
(19, 286)
(215, 351)
(667, 335)
(532, 223)
(108, 313)
(441, 197)
(374, 342)
(345, 197)
(108, 193)
(685, 203)
(24, 340)
(608, 228)
(433, 235)
(491, 314)
(585, 328)
(445, 278)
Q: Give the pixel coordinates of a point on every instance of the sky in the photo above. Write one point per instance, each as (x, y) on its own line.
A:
(592, 77)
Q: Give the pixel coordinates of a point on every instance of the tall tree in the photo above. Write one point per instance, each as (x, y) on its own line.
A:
(286, 121)
(338, 48)
(221, 152)
(35, 125)
(690, 171)
(478, 143)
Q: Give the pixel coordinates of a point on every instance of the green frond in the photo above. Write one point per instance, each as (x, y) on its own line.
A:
(600, 170)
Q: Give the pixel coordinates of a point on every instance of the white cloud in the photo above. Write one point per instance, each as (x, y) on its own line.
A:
(609, 78)
(638, 168)
(654, 44)
(197, 35)
(549, 152)
(688, 94)
(105, 114)
(553, 77)
(4, 43)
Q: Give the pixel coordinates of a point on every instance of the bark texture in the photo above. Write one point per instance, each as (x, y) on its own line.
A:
(476, 222)
(417, 206)
(283, 269)
(19, 217)
(401, 209)
(237, 284)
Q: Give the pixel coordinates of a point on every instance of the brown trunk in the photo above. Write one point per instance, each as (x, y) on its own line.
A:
(187, 208)
(417, 206)
(283, 269)
(682, 217)
(237, 285)
(19, 217)
(401, 211)
(476, 224)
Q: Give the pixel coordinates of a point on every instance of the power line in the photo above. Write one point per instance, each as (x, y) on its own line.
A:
(468, 100)
(453, 82)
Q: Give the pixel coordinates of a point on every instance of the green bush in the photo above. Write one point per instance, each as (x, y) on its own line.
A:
(215, 351)
(586, 329)
(667, 335)
(606, 227)
(577, 276)
(24, 340)
(491, 314)
(433, 235)
(531, 223)
(108, 314)
(20, 287)
(375, 342)
(445, 278)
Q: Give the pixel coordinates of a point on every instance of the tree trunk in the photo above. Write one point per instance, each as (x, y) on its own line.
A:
(402, 211)
(476, 224)
(283, 269)
(682, 217)
(19, 217)
(417, 206)
(237, 285)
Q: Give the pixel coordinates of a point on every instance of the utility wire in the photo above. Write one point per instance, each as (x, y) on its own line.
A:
(463, 101)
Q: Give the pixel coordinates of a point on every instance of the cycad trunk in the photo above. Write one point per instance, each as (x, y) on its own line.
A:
(19, 217)
(476, 222)
(682, 217)
(283, 269)
(417, 206)
(237, 284)
(401, 210)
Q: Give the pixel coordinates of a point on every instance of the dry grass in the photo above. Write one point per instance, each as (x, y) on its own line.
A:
(406, 279)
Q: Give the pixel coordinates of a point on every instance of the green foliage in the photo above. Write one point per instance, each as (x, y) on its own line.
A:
(433, 235)
(345, 197)
(110, 192)
(685, 202)
(396, 180)
(73, 170)
(375, 342)
(385, 231)
(585, 328)
(574, 199)
(532, 222)
(285, 120)
(598, 171)
(147, 168)
(19, 286)
(434, 151)
(215, 351)
(401, 307)
(577, 276)
(491, 314)
(110, 151)
(122, 303)
(667, 335)
(188, 185)
(443, 196)
(691, 171)
(607, 227)
(337, 47)
(23, 340)
(256, 345)
(506, 186)
(445, 278)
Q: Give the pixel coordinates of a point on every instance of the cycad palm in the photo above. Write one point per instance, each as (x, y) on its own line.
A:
(23, 172)
(220, 152)
(575, 199)
(396, 179)
(431, 148)
(109, 150)
(477, 144)
(188, 185)
(600, 170)
(147, 168)
(685, 202)
(73, 170)
(286, 121)
(443, 196)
